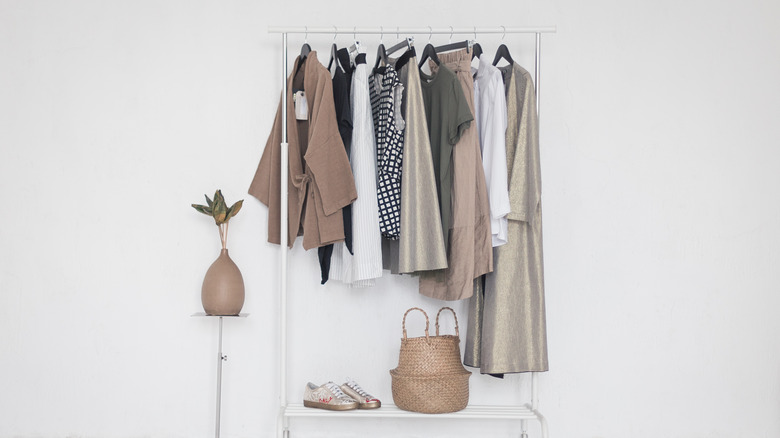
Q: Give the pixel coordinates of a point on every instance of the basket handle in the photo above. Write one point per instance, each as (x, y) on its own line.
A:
(427, 323)
(457, 332)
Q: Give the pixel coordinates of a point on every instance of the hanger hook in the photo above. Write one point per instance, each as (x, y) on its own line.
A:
(398, 32)
(430, 34)
(452, 30)
(306, 35)
(335, 33)
(381, 34)
(475, 33)
(504, 35)
(354, 33)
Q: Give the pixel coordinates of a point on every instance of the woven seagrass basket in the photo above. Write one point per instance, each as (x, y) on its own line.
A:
(430, 377)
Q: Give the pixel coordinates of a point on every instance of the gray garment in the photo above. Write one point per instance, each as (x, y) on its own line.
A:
(449, 116)
(421, 245)
(507, 330)
(470, 252)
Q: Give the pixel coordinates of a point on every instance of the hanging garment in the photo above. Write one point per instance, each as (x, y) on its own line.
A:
(320, 181)
(342, 104)
(386, 89)
(362, 268)
(490, 113)
(507, 331)
(421, 245)
(470, 250)
(448, 116)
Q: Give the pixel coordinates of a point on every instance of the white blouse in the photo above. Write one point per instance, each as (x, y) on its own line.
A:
(360, 269)
(490, 115)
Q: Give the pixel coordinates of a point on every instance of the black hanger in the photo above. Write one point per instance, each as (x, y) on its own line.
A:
(477, 52)
(381, 56)
(305, 50)
(333, 56)
(503, 52)
(454, 46)
(429, 52)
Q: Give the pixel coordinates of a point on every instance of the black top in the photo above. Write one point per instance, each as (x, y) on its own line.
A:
(341, 91)
(342, 82)
(346, 64)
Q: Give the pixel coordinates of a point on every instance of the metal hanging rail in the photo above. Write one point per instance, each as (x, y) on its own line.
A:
(407, 30)
(286, 410)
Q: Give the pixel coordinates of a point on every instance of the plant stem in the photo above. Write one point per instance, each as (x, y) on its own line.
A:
(222, 236)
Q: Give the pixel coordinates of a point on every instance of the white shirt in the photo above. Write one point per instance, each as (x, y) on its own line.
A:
(360, 269)
(490, 115)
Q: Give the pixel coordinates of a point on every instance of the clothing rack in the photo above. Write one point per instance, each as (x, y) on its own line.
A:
(287, 410)
(407, 30)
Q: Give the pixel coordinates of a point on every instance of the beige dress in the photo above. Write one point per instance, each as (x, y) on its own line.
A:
(507, 327)
(470, 252)
(421, 244)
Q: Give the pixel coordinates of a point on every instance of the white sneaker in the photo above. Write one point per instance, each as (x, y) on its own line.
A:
(364, 399)
(327, 396)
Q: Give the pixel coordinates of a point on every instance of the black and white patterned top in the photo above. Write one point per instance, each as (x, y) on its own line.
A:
(386, 93)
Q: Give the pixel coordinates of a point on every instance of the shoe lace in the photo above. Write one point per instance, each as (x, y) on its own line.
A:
(352, 384)
(336, 390)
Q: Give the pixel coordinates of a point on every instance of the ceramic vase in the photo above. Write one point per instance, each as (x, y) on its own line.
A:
(223, 287)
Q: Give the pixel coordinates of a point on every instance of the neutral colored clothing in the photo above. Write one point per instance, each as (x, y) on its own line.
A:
(470, 250)
(384, 87)
(448, 115)
(344, 119)
(421, 246)
(362, 268)
(490, 114)
(320, 181)
(507, 331)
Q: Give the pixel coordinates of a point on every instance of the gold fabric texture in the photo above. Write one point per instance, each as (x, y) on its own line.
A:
(507, 330)
(421, 246)
(470, 249)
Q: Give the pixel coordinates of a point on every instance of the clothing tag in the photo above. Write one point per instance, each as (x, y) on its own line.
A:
(301, 106)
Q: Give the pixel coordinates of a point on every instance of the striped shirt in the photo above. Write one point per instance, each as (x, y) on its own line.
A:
(360, 269)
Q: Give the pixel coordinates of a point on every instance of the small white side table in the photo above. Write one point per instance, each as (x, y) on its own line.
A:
(220, 358)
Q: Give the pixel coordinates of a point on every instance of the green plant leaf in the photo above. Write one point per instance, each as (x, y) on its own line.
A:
(232, 211)
(208, 201)
(202, 208)
(218, 196)
(219, 210)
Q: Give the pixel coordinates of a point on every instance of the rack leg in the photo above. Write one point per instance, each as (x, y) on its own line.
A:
(279, 426)
(542, 424)
(282, 424)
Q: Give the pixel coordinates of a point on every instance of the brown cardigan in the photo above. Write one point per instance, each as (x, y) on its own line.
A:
(320, 177)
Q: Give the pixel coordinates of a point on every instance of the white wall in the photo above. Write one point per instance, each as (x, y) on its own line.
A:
(660, 158)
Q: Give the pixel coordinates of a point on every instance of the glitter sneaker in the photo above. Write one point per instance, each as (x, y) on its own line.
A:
(327, 396)
(364, 399)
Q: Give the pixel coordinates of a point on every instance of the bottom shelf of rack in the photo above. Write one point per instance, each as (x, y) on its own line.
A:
(392, 411)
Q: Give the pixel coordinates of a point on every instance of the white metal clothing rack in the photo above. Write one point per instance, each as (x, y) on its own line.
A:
(523, 413)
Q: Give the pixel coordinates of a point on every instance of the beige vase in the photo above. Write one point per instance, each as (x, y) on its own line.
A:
(223, 287)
